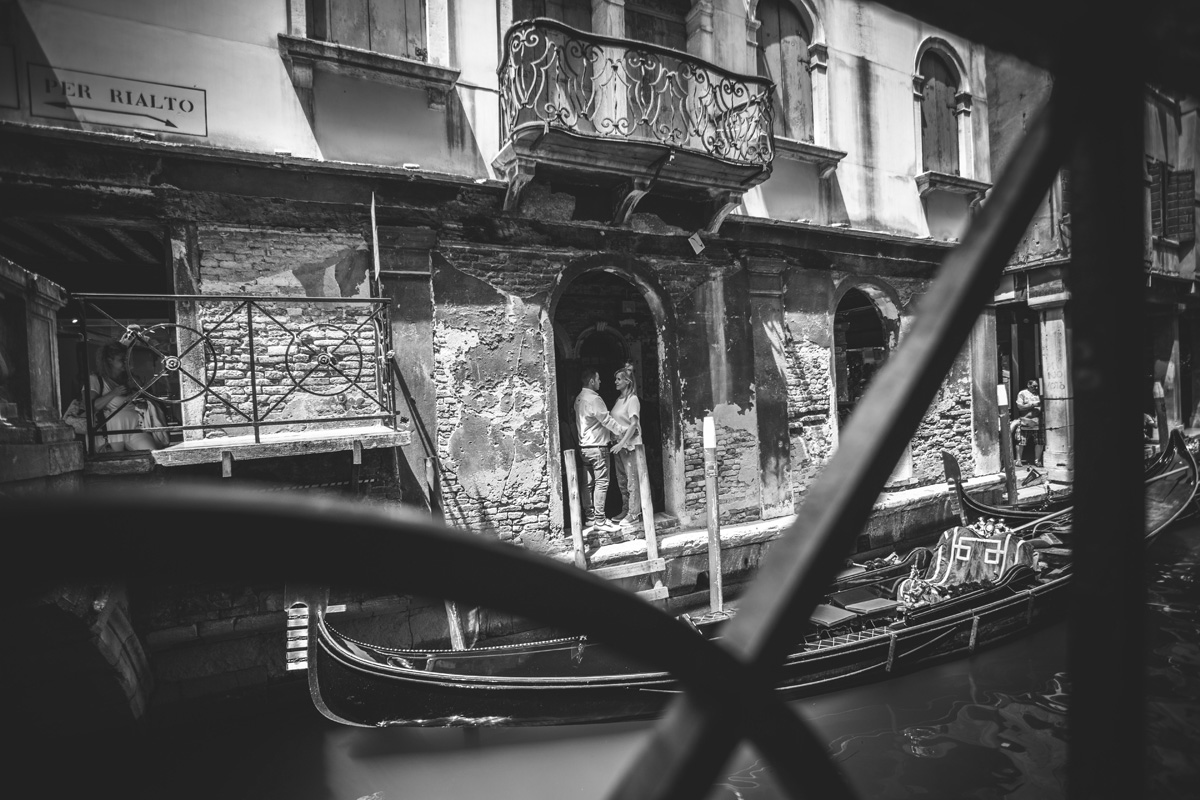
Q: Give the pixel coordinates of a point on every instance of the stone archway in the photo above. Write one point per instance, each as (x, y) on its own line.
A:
(866, 329)
(609, 314)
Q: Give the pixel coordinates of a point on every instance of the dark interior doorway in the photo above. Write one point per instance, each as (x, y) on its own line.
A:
(1019, 350)
(860, 348)
(602, 321)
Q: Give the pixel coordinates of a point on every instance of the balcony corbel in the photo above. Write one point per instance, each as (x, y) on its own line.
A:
(721, 203)
(634, 189)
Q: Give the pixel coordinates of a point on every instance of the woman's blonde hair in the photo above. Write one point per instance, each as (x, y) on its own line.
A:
(627, 371)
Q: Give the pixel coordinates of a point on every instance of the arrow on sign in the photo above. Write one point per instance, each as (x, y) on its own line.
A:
(60, 104)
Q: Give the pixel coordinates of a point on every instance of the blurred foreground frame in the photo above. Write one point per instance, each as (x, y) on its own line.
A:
(1092, 122)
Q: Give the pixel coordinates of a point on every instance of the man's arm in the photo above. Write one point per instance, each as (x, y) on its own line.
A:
(600, 412)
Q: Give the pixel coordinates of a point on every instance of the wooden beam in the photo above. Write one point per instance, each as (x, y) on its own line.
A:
(131, 244)
(34, 232)
(87, 240)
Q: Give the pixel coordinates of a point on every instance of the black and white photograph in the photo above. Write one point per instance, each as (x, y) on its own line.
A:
(601, 399)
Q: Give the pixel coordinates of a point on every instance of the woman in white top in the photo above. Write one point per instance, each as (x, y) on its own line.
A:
(112, 403)
(627, 411)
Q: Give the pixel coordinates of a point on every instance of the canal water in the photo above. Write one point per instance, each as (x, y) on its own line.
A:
(990, 726)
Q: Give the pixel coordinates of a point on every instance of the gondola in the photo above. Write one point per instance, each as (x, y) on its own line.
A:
(980, 585)
(972, 510)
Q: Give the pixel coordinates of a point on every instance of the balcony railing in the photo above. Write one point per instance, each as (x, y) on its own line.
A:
(554, 76)
(235, 362)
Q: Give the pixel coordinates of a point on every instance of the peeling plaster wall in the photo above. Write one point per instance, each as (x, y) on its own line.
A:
(808, 339)
(492, 391)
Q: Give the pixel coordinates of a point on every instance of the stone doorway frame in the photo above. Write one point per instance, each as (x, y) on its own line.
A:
(886, 301)
(670, 396)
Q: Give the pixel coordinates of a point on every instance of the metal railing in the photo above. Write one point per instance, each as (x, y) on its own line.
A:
(600, 87)
(240, 361)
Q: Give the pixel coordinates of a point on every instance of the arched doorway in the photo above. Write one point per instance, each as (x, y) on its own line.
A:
(601, 321)
(860, 348)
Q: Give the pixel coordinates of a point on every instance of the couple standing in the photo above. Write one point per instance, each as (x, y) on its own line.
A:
(597, 427)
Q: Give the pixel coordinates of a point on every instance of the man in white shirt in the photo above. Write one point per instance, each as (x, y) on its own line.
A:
(1028, 422)
(596, 428)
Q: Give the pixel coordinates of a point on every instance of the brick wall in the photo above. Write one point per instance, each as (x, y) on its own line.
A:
(811, 419)
(311, 359)
(737, 467)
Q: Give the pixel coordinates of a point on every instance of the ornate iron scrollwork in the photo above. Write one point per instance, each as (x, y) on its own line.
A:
(596, 86)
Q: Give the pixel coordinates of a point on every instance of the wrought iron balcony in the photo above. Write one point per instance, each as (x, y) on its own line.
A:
(641, 114)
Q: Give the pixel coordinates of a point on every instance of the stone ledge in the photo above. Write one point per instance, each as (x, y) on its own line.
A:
(278, 445)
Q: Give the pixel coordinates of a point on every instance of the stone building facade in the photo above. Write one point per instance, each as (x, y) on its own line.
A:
(760, 271)
(1029, 314)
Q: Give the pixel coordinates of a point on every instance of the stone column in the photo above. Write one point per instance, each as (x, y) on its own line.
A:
(608, 18)
(770, 387)
(751, 58)
(1058, 412)
(985, 411)
(185, 277)
(818, 68)
(966, 136)
(437, 31)
(700, 40)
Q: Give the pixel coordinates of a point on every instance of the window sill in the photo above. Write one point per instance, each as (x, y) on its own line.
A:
(302, 55)
(824, 158)
(956, 184)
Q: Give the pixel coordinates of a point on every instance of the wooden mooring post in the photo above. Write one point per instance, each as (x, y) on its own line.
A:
(576, 509)
(453, 618)
(643, 472)
(716, 597)
(1006, 445)
(1160, 416)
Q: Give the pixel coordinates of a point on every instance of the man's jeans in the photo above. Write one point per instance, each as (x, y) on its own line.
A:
(595, 464)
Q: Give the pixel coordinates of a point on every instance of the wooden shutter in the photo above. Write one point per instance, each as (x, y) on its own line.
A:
(662, 22)
(393, 27)
(939, 126)
(783, 57)
(1157, 170)
(1180, 222)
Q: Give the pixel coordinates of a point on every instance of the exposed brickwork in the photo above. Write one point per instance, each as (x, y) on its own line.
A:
(310, 359)
(810, 415)
(945, 426)
(737, 472)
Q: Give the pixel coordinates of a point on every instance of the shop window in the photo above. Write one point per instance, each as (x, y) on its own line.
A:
(661, 22)
(392, 27)
(1172, 202)
(939, 123)
(783, 57)
(576, 13)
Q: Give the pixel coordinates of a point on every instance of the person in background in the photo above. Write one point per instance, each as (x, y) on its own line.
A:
(627, 411)
(596, 427)
(1029, 413)
(113, 403)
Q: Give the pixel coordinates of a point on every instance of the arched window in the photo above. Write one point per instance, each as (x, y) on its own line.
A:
(783, 57)
(939, 125)
(662, 22)
(576, 13)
